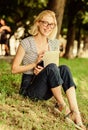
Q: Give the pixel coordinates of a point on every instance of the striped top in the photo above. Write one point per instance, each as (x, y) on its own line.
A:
(31, 53)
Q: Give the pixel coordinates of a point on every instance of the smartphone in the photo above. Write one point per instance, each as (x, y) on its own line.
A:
(41, 63)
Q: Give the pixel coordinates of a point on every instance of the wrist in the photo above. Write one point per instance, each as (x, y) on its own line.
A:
(34, 65)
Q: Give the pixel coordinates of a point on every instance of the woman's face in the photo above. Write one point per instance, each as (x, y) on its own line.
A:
(46, 25)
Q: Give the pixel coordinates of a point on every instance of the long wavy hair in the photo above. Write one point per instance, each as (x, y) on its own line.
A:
(34, 29)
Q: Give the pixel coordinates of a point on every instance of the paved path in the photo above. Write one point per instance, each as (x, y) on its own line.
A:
(7, 58)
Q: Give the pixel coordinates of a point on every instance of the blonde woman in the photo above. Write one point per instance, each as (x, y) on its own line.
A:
(39, 82)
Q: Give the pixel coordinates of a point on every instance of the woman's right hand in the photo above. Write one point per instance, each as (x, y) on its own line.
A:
(38, 68)
(40, 57)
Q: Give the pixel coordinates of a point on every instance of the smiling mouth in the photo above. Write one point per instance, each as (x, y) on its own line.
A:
(47, 30)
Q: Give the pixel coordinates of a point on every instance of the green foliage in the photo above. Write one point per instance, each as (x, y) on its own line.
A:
(85, 18)
(18, 12)
(76, 14)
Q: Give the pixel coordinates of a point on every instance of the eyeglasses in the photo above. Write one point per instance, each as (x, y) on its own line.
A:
(47, 24)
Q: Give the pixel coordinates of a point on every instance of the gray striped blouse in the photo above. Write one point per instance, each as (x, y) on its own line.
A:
(31, 51)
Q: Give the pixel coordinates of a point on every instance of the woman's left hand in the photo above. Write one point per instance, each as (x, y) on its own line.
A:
(38, 69)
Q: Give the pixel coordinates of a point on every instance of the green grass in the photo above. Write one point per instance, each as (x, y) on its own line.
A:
(18, 113)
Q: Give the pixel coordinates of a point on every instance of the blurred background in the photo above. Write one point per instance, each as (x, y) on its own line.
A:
(72, 19)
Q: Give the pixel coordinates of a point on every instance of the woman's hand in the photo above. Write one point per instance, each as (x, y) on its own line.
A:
(40, 57)
(38, 69)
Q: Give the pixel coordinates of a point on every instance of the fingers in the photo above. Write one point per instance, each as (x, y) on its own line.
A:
(40, 56)
(37, 70)
(39, 67)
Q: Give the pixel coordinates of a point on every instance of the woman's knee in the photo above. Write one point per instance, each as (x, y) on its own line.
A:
(64, 68)
(52, 66)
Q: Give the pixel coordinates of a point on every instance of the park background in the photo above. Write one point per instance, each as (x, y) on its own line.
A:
(17, 113)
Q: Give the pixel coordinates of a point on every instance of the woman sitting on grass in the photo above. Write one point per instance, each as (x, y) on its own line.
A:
(39, 82)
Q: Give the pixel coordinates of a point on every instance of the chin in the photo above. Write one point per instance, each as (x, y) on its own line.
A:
(46, 34)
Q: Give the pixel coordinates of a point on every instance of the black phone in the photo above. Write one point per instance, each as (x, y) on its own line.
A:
(41, 63)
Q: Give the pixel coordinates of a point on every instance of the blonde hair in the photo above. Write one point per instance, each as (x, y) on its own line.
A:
(34, 29)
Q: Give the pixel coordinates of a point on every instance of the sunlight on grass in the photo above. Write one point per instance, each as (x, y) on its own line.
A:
(18, 113)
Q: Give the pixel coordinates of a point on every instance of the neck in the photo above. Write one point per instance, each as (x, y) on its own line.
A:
(41, 39)
(41, 43)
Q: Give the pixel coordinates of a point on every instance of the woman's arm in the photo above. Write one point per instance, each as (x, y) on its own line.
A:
(16, 66)
(5, 28)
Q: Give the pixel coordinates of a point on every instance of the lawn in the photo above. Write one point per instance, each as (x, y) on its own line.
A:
(18, 113)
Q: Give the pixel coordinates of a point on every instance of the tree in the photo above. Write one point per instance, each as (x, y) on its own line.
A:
(20, 12)
(76, 10)
(58, 7)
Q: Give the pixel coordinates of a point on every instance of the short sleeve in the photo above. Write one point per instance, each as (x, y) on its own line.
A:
(25, 43)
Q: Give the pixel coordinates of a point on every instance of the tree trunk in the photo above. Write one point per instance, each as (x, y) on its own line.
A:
(58, 7)
(70, 42)
(71, 29)
(85, 42)
(79, 39)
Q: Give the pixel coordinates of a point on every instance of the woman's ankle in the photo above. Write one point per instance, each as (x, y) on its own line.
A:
(77, 117)
(78, 120)
(60, 106)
